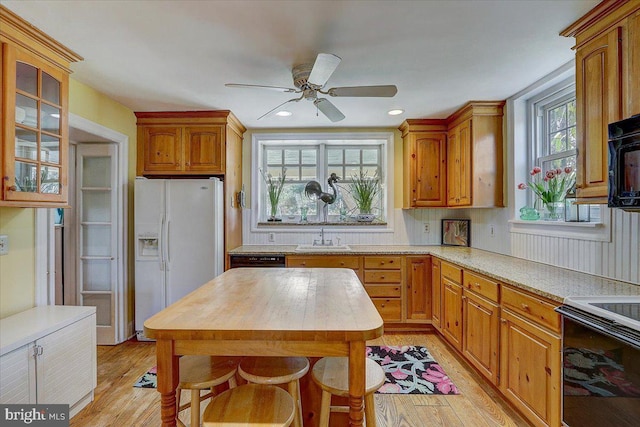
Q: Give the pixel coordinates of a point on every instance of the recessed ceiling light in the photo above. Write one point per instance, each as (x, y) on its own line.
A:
(284, 113)
(395, 112)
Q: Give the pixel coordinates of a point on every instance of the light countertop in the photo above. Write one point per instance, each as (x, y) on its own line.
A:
(545, 280)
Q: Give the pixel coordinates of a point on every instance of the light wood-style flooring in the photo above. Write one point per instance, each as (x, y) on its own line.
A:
(118, 403)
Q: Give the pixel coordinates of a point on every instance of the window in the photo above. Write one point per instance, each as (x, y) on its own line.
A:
(554, 133)
(314, 157)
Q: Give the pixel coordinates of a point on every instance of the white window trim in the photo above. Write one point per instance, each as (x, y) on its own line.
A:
(259, 140)
(519, 129)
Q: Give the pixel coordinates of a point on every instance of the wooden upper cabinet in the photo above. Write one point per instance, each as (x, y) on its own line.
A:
(598, 96)
(34, 71)
(455, 161)
(182, 143)
(607, 86)
(425, 164)
(162, 148)
(459, 165)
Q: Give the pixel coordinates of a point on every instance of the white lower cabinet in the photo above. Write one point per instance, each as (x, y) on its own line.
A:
(48, 356)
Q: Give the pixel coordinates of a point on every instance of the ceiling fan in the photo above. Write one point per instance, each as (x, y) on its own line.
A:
(309, 81)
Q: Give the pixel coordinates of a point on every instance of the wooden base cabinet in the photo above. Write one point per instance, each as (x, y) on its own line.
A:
(383, 279)
(531, 369)
(481, 325)
(419, 289)
(436, 294)
(452, 304)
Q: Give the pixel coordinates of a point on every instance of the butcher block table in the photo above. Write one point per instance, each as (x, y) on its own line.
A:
(313, 312)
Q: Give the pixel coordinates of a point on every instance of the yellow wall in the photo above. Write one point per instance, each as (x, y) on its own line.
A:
(397, 160)
(17, 270)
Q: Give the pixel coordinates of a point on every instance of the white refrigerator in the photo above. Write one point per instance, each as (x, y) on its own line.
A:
(178, 239)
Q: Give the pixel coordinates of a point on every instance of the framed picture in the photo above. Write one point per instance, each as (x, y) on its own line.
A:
(456, 232)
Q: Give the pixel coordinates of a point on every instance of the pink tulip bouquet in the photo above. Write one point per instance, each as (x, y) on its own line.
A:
(552, 186)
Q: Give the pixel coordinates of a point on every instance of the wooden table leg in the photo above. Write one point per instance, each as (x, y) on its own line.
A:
(357, 377)
(168, 376)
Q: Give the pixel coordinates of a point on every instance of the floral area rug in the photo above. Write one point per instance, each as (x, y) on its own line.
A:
(595, 373)
(409, 370)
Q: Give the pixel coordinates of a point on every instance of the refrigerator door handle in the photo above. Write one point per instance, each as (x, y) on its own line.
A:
(168, 257)
(161, 244)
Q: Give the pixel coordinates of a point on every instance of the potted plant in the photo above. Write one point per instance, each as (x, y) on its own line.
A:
(364, 190)
(274, 190)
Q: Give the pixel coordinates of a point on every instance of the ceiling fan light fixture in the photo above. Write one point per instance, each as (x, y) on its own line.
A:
(395, 112)
(284, 113)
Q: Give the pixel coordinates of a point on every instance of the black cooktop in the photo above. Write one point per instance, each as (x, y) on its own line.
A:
(626, 309)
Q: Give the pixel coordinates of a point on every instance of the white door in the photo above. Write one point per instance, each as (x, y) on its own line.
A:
(97, 237)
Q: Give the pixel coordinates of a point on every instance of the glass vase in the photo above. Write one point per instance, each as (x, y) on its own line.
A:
(554, 211)
(274, 214)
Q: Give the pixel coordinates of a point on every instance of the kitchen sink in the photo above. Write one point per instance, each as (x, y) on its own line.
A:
(323, 248)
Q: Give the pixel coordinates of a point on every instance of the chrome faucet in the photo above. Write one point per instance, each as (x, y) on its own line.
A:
(322, 241)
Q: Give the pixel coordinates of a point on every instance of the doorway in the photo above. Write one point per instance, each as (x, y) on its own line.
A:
(83, 253)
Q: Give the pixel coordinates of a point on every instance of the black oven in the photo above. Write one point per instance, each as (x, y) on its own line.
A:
(624, 164)
(601, 367)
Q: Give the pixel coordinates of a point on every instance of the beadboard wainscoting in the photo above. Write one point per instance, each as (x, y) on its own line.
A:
(618, 258)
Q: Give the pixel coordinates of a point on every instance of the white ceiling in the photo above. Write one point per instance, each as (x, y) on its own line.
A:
(177, 55)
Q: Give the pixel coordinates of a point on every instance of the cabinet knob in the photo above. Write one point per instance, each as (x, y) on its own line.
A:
(304, 263)
(381, 277)
(525, 306)
(13, 188)
(477, 285)
(503, 320)
(342, 263)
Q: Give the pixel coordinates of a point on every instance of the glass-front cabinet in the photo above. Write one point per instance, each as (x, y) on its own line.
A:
(35, 90)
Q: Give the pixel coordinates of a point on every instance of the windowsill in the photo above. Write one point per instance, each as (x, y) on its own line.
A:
(322, 224)
(595, 231)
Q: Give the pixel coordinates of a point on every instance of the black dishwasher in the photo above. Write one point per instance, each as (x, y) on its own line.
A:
(256, 260)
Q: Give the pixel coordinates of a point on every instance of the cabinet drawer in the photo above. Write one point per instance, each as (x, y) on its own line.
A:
(531, 307)
(383, 276)
(388, 291)
(451, 271)
(481, 285)
(389, 309)
(383, 262)
(324, 261)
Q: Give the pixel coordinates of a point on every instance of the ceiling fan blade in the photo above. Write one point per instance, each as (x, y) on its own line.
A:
(277, 88)
(325, 65)
(274, 109)
(387, 91)
(328, 109)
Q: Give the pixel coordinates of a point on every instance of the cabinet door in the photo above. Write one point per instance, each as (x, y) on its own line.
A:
(452, 312)
(18, 376)
(35, 138)
(530, 369)
(633, 65)
(436, 292)
(418, 288)
(598, 98)
(204, 149)
(161, 149)
(66, 366)
(481, 332)
(428, 170)
(459, 165)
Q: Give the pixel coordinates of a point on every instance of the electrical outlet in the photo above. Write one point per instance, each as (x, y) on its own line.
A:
(492, 230)
(426, 227)
(4, 244)
(272, 237)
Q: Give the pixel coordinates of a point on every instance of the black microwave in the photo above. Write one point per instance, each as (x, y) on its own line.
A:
(624, 164)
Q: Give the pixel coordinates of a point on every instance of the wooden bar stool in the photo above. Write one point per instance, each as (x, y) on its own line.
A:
(203, 373)
(332, 375)
(277, 370)
(251, 404)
